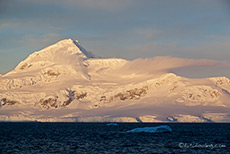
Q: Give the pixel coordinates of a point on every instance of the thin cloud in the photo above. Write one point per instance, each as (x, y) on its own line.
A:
(167, 64)
(106, 5)
(172, 44)
(10, 23)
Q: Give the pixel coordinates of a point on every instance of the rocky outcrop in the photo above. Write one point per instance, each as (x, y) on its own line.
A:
(80, 95)
(200, 93)
(56, 101)
(73, 95)
(52, 73)
(135, 94)
(5, 101)
(24, 66)
(132, 94)
(48, 103)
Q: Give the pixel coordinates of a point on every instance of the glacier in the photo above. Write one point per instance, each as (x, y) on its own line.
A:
(66, 83)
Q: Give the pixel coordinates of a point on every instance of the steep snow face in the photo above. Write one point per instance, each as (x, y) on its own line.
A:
(65, 59)
(194, 95)
(222, 82)
(63, 52)
(64, 79)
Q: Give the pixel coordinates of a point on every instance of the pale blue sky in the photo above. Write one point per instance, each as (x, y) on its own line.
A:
(197, 29)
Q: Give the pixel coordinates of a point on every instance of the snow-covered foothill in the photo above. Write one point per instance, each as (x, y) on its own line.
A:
(186, 118)
(158, 129)
(217, 117)
(149, 118)
(104, 119)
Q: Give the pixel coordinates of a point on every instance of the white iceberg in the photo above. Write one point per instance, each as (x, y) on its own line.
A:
(112, 124)
(158, 129)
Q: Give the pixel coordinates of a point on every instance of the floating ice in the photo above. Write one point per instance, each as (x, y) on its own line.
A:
(158, 129)
(112, 124)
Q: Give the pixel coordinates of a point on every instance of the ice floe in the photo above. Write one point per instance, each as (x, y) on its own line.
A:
(158, 129)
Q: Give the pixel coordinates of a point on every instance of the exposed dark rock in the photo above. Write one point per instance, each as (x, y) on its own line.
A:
(48, 103)
(103, 98)
(6, 101)
(54, 103)
(70, 97)
(67, 102)
(73, 95)
(80, 95)
(131, 94)
(25, 66)
(52, 73)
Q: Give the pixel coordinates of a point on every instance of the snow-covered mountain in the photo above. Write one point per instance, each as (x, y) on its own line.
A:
(64, 82)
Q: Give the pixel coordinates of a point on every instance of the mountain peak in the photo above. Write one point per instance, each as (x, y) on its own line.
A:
(66, 42)
(62, 51)
(71, 46)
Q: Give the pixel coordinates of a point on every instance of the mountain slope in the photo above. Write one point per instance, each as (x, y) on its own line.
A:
(63, 82)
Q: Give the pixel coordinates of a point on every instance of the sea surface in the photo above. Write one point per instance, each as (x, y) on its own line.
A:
(92, 138)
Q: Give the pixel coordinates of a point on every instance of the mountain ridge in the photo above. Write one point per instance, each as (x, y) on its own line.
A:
(64, 82)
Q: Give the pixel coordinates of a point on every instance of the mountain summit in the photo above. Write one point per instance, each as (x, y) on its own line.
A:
(63, 82)
(61, 52)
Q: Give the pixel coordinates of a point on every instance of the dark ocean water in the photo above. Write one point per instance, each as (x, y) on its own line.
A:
(92, 138)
